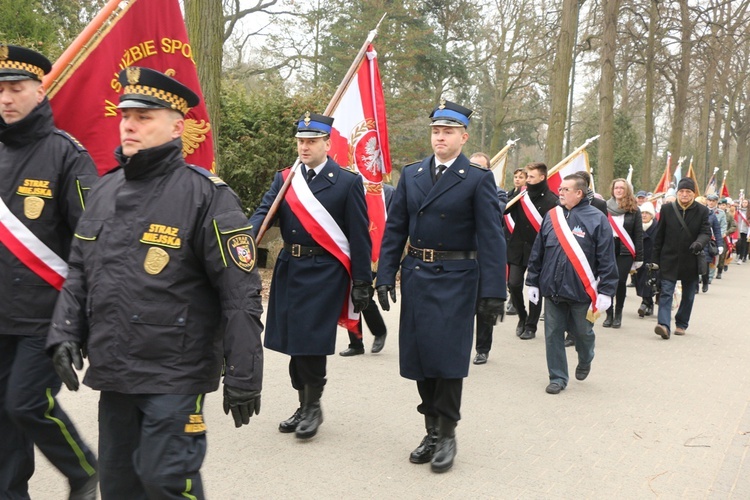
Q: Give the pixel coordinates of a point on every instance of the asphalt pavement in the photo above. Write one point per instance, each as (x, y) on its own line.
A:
(655, 419)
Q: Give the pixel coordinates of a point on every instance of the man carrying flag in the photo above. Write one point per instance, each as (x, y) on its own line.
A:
(572, 265)
(454, 267)
(45, 176)
(325, 259)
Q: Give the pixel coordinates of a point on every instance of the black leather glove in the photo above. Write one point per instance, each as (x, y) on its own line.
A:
(383, 292)
(490, 309)
(243, 404)
(696, 248)
(65, 356)
(361, 294)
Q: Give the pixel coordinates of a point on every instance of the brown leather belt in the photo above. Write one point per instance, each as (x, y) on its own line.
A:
(430, 255)
(299, 251)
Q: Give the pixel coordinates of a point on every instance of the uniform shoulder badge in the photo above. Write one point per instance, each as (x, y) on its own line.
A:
(350, 169)
(80, 147)
(215, 179)
(412, 163)
(475, 165)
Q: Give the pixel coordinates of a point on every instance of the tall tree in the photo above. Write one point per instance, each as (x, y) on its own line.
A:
(682, 82)
(608, 49)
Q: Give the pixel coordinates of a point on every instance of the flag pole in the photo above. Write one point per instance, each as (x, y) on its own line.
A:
(332, 105)
(557, 167)
(75, 50)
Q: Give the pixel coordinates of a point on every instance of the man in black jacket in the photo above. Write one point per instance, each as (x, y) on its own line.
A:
(45, 175)
(678, 250)
(164, 295)
(526, 218)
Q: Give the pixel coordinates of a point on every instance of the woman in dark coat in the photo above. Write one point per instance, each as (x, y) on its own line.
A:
(643, 287)
(627, 226)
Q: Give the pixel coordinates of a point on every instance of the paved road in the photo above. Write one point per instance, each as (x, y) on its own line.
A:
(655, 419)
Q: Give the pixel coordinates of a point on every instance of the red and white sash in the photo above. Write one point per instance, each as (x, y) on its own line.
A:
(325, 231)
(575, 254)
(535, 218)
(618, 226)
(30, 250)
(510, 224)
(744, 219)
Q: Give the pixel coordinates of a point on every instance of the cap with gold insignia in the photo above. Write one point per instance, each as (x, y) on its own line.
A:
(314, 125)
(150, 89)
(19, 63)
(450, 114)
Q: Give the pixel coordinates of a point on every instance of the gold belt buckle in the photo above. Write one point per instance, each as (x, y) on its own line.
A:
(428, 255)
(296, 250)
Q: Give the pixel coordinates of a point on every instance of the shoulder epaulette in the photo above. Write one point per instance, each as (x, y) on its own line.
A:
(478, 166)
(351, 170)
(208, 175)
(80, 147)
(412, 163)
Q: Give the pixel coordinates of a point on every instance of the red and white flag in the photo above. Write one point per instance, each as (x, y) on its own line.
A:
(360, 140)
(578, 163)
(663, 185)
(83, 87)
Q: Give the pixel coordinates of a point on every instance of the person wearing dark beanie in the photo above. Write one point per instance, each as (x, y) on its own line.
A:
(686, 183)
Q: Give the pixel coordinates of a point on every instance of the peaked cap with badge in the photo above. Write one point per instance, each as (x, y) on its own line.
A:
(147, 88)
(450, 114)
(311, 125)
(20, 63)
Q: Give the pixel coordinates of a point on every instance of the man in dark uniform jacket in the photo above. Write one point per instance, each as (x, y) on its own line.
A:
(447, 209)
(520, 242)
(164, 295)
(45, 175)
(327, 251)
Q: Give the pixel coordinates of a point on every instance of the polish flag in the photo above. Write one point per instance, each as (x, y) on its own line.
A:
(578, 163)
(359, 140)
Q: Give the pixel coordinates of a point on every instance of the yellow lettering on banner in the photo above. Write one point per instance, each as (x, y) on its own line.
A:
(110, 108)
(172, 46)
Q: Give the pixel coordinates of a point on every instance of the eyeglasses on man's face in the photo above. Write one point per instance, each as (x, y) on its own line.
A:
(566, 190)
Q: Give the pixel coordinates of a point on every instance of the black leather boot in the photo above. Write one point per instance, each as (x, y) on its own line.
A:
(446, 446)
(426, 449)
(312, 413)
(608, 320)
(290, 424)
(617, 322)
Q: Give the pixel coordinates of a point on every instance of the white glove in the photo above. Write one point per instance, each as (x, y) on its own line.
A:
(721, 250)
(533, 294)
(603, 302)
(637, 264)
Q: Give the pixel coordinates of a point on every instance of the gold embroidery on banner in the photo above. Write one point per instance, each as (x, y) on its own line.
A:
(156, 260)
(32, 207)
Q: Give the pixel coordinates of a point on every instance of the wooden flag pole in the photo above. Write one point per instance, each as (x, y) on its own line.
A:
(557, 167)
(348, 77)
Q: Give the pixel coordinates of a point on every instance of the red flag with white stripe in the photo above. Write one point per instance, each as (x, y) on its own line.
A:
(578, 163)
(360, 140)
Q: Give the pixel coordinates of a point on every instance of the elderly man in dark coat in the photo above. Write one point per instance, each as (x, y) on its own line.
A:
(447, 208)
(682, 233)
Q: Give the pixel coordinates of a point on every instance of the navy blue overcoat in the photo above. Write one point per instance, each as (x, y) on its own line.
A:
(307, 293)
(459, 212)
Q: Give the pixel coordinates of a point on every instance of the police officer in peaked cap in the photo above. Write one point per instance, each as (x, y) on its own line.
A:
(164, 295)
(45, 175)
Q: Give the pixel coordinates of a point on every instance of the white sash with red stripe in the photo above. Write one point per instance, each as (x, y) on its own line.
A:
(30, 250)
(618, 227)
(575, 254)
(325, 231)
(535, 218)
(510, 224)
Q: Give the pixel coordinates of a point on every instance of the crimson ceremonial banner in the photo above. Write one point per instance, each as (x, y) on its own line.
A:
(85, 92)
(663, 185)
(360, 140)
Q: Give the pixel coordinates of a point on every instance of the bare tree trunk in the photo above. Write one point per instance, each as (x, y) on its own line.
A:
(606, 93)
(648, 151)
(560, 82)
(683, 81)
(205, 25)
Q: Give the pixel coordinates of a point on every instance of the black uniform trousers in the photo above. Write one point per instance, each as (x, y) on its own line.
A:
(530, 319)
(373, 318)
(441, 397)
(30, 414)
(307, 370)
(151, 446)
